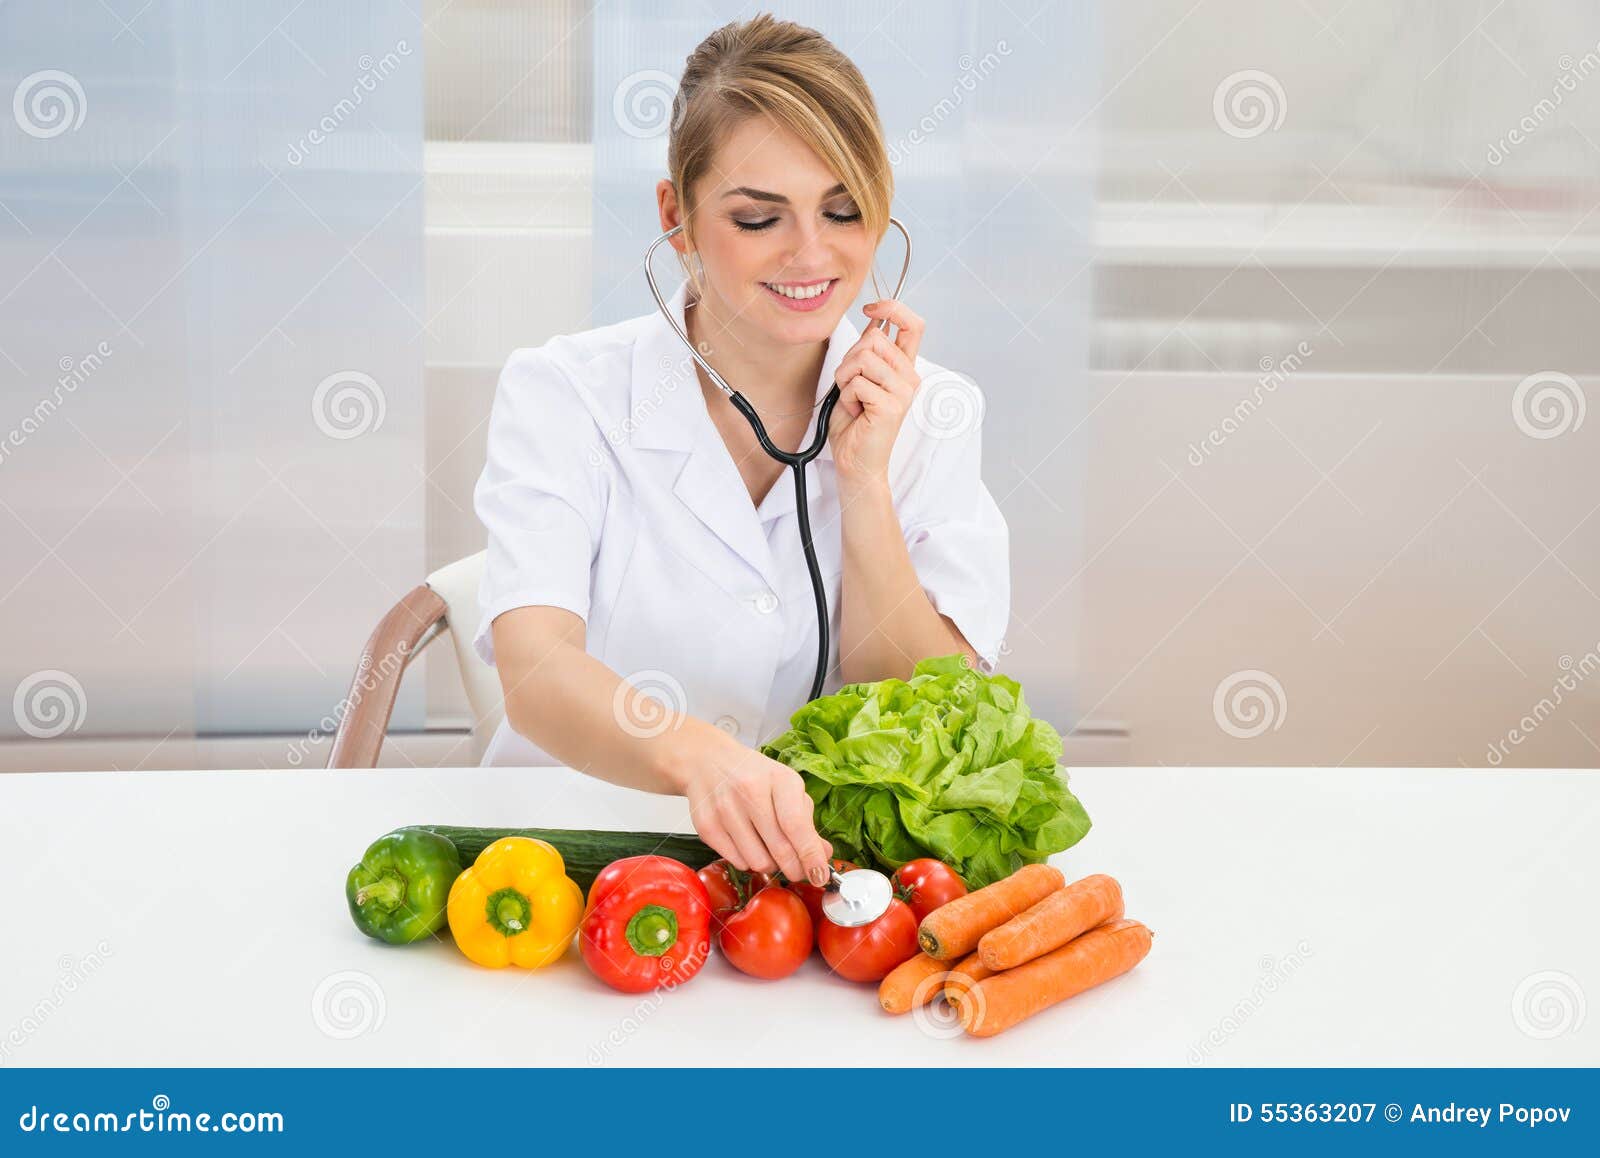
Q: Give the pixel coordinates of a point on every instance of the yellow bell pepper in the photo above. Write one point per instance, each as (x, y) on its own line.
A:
(515, 905)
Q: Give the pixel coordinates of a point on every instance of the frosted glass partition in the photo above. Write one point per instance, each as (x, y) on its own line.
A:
(211, 325)
(987, 110)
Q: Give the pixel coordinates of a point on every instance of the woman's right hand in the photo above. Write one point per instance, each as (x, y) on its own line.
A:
(751, 809)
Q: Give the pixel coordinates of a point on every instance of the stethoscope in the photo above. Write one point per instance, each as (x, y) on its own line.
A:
(859, 896)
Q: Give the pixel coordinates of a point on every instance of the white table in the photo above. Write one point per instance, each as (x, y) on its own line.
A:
(1302, 916)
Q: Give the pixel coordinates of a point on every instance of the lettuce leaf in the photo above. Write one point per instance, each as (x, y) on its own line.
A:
(948, 764)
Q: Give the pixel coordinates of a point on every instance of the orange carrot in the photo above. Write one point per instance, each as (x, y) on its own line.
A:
(953, 930)
(965, 975)
(1054, 921)
(999, 1002)
(911, 983)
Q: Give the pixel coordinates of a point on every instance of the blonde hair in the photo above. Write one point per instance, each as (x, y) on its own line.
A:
(795, 76)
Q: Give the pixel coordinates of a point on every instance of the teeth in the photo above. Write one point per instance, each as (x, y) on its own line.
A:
(799, 295)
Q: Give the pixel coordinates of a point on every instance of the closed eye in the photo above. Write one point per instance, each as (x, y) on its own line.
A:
(758, 226)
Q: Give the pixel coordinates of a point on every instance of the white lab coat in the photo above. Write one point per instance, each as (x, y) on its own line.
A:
(607, 490)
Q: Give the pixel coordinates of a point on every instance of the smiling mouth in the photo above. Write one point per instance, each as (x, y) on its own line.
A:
(801, 295)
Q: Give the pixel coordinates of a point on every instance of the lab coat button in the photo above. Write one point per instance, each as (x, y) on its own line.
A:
(728, 724)
(766, 603)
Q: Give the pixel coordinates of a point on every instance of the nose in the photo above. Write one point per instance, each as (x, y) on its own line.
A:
(810, 248)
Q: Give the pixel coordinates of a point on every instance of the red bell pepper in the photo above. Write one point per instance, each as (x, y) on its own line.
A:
(648, 924)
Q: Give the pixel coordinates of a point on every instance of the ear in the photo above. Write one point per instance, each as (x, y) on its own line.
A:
(671, 213)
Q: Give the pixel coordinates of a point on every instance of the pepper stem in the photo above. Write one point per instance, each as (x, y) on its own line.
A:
(508, 912)
(388, 891)
(652, 930)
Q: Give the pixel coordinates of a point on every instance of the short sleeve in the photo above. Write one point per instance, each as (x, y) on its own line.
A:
(955, 534)
(541, 497)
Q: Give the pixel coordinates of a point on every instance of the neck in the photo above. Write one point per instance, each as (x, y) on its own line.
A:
(775, 377)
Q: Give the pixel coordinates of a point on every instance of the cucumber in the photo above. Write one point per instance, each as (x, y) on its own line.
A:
(585, 853)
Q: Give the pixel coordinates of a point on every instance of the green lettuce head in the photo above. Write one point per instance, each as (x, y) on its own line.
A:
(949, 764)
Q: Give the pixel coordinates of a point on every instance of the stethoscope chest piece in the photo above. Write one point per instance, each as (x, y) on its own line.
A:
(858, 897)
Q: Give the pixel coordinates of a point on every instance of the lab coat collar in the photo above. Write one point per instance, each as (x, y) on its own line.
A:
(666, 406)
(668, 413)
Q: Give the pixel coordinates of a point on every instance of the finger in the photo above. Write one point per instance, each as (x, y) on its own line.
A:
(885, 347)
(731, 811)
(909, 334)
(712, 832)
(881, 375)
(763, 813)
(871, 396)
(795, 813)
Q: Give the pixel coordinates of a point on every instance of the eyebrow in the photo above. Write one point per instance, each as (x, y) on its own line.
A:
(775, 198)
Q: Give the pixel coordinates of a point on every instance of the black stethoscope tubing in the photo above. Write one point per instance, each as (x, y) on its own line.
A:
(795, 460)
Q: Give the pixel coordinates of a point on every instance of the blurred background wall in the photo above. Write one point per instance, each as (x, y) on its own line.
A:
(1283, 317)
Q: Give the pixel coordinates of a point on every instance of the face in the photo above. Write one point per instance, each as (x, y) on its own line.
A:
(782, 244)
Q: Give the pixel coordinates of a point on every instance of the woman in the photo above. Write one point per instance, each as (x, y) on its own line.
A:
(645, 598)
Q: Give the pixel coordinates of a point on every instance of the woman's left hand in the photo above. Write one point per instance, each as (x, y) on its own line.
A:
(877, 382)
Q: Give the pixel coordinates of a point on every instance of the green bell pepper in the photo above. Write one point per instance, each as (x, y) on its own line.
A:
(399, 889)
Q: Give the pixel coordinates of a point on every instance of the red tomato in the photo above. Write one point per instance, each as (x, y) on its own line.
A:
(719, 877)
(812, 894)
(869, 952)
(927, 884)
(770, 936)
